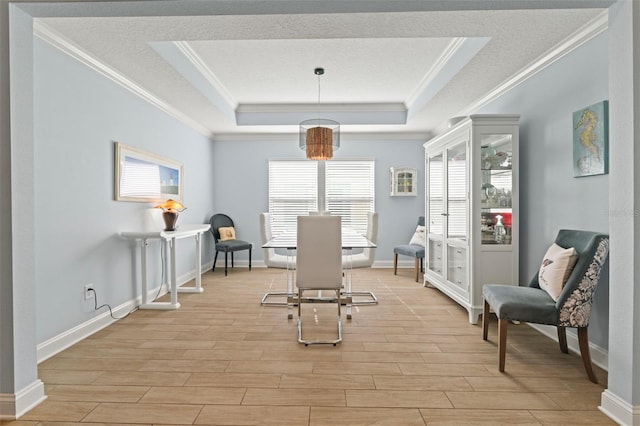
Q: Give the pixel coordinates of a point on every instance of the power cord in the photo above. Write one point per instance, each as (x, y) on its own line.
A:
(95, 294)
(162, 277)
(96, 307)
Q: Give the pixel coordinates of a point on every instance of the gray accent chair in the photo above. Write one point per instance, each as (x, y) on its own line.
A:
(319, 265)
(412, 250)
(534, 305)
(229, 246)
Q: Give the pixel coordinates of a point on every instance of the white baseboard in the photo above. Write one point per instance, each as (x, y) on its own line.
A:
(13, 406)
(62, 341)
(619, 410)
(599, 356)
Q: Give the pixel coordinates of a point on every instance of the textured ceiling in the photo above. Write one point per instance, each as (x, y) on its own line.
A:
(406, 72)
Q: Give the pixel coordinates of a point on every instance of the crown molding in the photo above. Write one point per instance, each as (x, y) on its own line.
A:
(47, 34)
(186, 49)
(597, 26)
(586, 33)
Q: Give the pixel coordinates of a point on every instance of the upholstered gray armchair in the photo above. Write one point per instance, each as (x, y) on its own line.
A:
(412, 250)
(535, 303)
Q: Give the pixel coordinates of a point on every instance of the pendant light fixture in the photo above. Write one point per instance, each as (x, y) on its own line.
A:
(319, 137)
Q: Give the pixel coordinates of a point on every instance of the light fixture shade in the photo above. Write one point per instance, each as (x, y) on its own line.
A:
(170, 205)
(319, 138)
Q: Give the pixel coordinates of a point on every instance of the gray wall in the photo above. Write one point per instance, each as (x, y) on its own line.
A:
(78, 116)
(550, 197)
(241, 168)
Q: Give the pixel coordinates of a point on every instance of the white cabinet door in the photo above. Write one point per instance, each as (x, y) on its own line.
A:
(471, 208)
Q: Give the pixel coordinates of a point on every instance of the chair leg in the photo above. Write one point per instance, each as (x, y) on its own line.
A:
(299, 321)
(421, 264)
(249, 259)
(502, 342)
(395, 264)
(583, 342)
(562, 339)
(232, 265)
(319, 342)
(417, 268)
(225, 262)
(485, 321)
(214, 261)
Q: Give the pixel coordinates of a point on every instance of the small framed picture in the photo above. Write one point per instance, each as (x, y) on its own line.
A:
(404, 181)
(591, 140)
(143, 176)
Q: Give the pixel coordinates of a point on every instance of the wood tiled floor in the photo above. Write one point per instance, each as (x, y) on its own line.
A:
(223, 359)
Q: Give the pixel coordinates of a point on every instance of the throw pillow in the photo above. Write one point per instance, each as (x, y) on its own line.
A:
(418, 237)
(227, 233)
(556, 267)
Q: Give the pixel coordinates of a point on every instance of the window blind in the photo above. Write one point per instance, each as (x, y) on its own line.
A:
(457, 196)
(436, 195)
(350, 191)
(292, 192)
(343, 187)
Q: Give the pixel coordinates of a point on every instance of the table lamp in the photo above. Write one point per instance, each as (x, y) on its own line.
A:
(170, 210)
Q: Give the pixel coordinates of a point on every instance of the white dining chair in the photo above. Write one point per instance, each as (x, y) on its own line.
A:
(319, 265)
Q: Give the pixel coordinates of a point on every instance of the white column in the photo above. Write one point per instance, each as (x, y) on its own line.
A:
(20, 388)
(621, 400)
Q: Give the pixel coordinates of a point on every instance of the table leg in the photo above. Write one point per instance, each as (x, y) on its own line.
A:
(347, 278)
(174, 275)
(349, 293)
(286, 294)
(174, 295)
(198, 278)
(143, 272)
(291, 270)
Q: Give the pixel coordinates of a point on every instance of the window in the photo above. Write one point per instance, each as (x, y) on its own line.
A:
(292, 192)
(349, 192)
(344, 187)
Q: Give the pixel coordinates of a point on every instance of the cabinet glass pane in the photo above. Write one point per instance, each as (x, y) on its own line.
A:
(457, 266)
(436, 194)
(457, 192)
(434, 263)
(495, 196)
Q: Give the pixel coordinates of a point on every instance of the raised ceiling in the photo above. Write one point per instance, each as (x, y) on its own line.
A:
(235, 70)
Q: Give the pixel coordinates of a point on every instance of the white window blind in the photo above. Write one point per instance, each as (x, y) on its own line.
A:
(350, 191)
(457, 191)
(436, 195)
(344, 187)
(457, 199)
(292, 192)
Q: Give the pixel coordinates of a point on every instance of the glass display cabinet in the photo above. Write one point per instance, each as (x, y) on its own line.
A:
(471, 208)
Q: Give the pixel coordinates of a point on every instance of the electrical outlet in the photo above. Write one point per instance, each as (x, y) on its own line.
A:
(87, 293)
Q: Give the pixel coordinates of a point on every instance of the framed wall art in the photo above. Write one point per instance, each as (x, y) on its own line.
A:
(404, 181)
(143, 176)
(591, 140)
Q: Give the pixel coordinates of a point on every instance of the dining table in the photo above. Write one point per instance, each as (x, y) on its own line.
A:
(350, 240)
